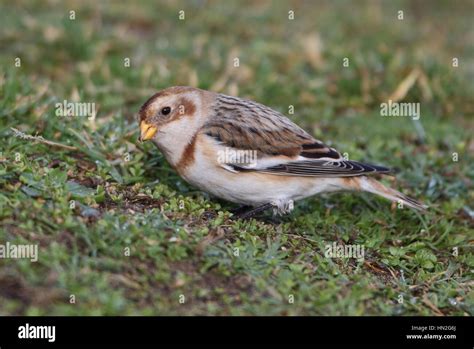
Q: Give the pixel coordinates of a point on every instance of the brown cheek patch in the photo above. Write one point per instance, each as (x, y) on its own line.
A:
(187, 158)
(185, 107)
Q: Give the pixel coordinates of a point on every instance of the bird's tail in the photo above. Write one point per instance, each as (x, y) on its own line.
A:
(373, 186)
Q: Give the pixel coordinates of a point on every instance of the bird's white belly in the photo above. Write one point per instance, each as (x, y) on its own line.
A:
(253, 188)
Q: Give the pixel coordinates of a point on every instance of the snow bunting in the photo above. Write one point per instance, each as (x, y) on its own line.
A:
(250, 154)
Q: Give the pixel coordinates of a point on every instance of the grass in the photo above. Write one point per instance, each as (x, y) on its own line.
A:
(120, 233)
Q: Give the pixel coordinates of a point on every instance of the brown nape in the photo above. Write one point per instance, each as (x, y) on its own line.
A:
(187, 158)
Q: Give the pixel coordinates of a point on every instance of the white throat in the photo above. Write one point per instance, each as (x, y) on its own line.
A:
(173, 138)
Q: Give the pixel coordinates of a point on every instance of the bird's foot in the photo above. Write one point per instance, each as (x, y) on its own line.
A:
(282, 207)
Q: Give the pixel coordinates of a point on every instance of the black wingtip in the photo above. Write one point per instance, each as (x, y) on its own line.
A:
(368, 168)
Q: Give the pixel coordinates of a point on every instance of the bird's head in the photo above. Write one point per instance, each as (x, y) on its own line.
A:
(168, 110)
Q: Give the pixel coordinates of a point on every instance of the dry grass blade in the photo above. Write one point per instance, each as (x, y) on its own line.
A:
(40, 139)
(402, 89)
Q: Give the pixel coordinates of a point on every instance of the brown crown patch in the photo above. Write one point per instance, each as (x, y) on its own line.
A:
(166, 92)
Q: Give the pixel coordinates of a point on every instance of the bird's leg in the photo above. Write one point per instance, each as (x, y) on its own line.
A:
(249, 213)
(241, 209)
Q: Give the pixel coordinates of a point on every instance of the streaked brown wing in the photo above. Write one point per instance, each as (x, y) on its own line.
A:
(244, 124)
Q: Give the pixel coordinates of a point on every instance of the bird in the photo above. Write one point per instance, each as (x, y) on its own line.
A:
(247, 153)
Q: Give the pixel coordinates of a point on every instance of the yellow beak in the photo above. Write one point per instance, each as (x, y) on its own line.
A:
(147, 131)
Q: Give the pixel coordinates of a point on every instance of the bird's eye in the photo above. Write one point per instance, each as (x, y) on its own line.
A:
(165, 110)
